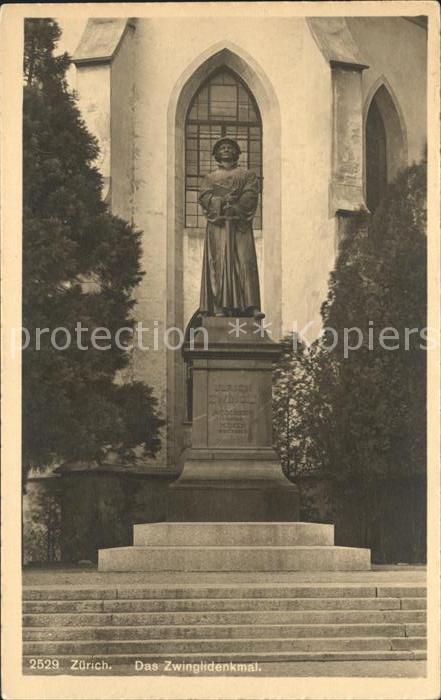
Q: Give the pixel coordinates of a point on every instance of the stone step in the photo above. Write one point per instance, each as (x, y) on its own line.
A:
(233, 534)
(416, 629)
(219, 604)
(401, 591)
(237, 622)
(404, 643)
(178, 661)
(170, 592)
(254, 559)
(243, 645)
(411, 603)
(111, 632)
(253, 617)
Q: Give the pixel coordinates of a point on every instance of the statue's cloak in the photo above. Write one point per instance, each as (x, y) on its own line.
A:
(230, 281)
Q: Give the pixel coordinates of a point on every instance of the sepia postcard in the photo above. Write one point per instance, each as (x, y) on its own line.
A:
(220, 350)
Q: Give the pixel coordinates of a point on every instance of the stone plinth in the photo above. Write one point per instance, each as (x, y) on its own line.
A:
(233, 534)
(231, 472)
(234, 546)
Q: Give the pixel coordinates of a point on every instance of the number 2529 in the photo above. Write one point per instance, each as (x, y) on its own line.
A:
(44, 664)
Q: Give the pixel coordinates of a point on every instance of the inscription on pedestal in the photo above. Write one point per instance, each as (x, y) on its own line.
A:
(233, 405)
(233, 410)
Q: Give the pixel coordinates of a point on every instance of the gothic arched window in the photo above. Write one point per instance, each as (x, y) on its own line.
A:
(376, 157)
(385, 145)
(222, 106)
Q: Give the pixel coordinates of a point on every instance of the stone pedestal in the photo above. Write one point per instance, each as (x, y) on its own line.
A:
(231, 472)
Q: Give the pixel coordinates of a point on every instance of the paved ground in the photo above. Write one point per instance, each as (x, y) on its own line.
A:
(286, 669)
(90, 576)
(381, 669)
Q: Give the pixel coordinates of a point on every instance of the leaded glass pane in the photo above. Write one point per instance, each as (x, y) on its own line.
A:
(242, 94)
(203, 96)
(251, 114)
(229, 79)
(223, 93)
(243, 113)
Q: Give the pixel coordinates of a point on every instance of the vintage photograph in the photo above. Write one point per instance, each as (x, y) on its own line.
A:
(224, 342)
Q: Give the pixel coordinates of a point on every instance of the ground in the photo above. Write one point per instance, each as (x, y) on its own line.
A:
(60, 575)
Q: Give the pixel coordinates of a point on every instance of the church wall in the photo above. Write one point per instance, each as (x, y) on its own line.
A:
(121, 125)
(308, 227)
(93, 87)
(397, 49)
(149, 211)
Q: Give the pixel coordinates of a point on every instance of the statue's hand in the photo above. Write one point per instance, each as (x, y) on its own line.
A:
(229, 210)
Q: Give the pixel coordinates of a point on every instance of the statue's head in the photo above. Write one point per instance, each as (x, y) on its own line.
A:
(226, 150)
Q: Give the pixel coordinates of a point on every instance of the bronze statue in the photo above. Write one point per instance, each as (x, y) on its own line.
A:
(229, 197)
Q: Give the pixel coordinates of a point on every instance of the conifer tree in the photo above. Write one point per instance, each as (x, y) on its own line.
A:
(80, 265)
(376, 394)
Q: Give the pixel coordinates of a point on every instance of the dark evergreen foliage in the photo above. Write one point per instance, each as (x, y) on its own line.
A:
(80, 265)
(375, 398)
(358, 418)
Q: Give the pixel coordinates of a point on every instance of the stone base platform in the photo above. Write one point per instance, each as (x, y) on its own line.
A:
(234, 559)
(234, 547)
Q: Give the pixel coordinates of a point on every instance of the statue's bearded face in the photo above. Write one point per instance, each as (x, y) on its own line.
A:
(226, 152)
